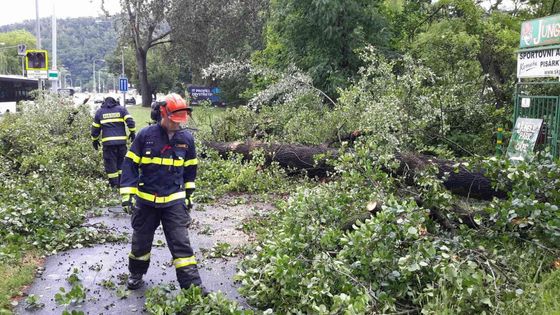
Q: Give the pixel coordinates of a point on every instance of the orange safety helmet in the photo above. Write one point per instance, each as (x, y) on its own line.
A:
(175, 108)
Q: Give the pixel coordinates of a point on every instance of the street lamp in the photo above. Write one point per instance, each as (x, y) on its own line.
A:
(102, 84)
(94, 60)
(99, 81)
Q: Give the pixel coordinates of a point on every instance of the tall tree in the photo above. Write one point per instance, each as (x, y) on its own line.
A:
(461, 37)
(145, 23)
(215, 31)
(323, 37)
(162, 68)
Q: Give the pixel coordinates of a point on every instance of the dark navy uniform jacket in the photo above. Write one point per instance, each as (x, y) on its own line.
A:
(158, 170)
(109, 121)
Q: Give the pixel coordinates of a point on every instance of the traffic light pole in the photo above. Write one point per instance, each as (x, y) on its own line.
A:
(38, 34)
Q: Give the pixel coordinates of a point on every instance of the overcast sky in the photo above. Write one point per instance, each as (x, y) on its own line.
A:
(13, 11)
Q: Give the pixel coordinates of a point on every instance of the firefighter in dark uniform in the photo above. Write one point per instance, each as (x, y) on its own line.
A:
(158, 174)
(108, 124)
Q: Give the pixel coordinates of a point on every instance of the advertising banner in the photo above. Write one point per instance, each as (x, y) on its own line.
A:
(538, 63)
(203, 93)
(523, 139)
(540, 32)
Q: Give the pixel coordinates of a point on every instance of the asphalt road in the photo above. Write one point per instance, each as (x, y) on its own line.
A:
(107, 263)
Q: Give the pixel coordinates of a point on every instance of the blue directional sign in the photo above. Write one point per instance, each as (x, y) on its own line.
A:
(123, 84)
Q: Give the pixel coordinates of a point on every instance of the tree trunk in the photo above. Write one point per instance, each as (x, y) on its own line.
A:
(462, 182)
(141, 61)
(293, 157)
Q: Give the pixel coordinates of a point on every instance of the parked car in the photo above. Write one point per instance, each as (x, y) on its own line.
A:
(130, 100)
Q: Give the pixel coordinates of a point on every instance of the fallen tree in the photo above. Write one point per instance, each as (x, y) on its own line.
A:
(313, 160)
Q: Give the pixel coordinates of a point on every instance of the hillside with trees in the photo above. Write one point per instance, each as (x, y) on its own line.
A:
(79, 42)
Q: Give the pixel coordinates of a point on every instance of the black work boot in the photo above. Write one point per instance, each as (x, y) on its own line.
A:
(204, 291)
(134, 281)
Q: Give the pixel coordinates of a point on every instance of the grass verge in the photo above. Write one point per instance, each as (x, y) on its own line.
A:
(203, 116)
(13, 277)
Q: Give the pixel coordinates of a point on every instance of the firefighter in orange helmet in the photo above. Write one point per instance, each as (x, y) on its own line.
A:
(159, 171)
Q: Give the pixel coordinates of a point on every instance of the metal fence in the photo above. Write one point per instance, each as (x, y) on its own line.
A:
(545, 108)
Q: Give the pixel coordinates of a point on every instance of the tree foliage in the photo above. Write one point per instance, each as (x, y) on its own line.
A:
(322, 37)
(145, 25)
(10, 63)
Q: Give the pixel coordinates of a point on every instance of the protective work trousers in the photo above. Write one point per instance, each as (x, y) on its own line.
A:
(175, 219)
(113, 156)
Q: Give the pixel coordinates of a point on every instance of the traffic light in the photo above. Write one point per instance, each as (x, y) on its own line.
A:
(36, 60)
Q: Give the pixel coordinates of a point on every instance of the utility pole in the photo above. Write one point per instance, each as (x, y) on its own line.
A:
(53, 23)
(122, 76)
(94, 86)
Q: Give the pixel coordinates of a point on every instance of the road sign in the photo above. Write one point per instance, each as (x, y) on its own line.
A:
(21, 50)
(53, 75)
(37, 74)
(123, 84)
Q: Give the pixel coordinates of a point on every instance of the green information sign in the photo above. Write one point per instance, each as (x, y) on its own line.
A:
(523, 139)
(540, 32)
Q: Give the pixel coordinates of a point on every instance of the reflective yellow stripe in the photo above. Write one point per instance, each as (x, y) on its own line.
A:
(120, 172)
(142, 258)
(183, 262)
(189, 185)
(160, 199)
(132, 129)
(128, 190)
(191, 162)
(131, 155)
(499, 142)
(113, 175)
(113, 138)
(112, 120)
(95, 138)
(161, 161)
(127, 117)
(96, 125)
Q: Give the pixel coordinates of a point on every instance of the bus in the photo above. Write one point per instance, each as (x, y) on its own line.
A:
(14, 88)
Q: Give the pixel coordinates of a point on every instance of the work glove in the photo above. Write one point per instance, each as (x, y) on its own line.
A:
(131, 136)
(95, 144)
(189, 204)
(188, 207)
(127, 204)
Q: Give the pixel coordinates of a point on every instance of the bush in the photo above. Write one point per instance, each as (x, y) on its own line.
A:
(50, 178)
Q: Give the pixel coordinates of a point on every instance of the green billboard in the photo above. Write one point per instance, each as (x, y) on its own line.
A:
(540, 32)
